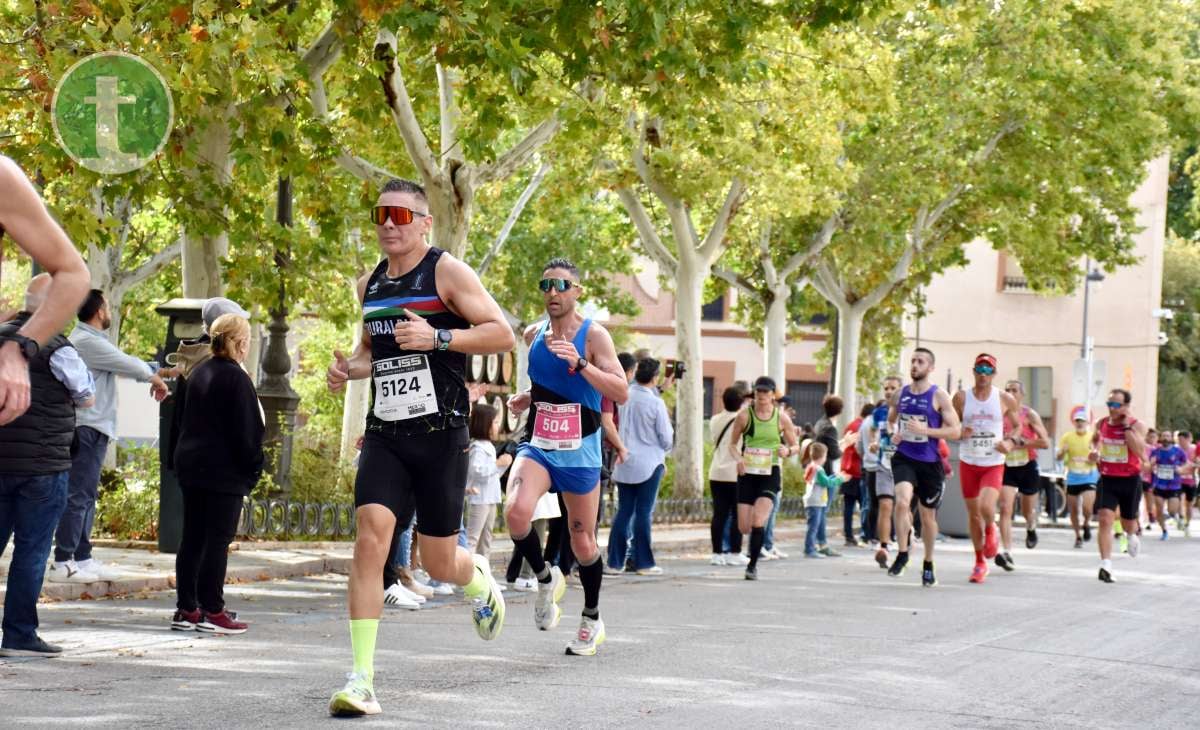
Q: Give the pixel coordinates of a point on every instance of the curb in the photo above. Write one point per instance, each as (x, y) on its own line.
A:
(312, 566)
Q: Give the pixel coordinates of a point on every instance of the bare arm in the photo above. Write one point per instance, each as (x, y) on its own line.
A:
(25, 218)
(358, 365)
(612, 436)
(604, 371)
(789, 433)
(1043, 439)
(959, 401)
(951, 428)
(460, 288)
(1135, 438)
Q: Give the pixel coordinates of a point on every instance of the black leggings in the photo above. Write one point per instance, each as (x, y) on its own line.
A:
(210, 521)
(724, 499)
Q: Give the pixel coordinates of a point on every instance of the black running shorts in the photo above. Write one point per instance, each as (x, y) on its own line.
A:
(1189, 491)
(1120, 492)
(1168, 493)
(1027, 479)
(752, 486)
(428, 471)
(927, 477)
(1074, 490)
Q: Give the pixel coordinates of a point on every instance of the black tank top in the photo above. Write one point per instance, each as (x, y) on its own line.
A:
(402, 380)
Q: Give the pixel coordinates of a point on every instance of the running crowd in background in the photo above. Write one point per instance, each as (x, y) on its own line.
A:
(432, 474)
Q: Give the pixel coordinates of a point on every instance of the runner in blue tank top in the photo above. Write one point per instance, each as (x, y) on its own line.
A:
(572, 363)
(920, 414)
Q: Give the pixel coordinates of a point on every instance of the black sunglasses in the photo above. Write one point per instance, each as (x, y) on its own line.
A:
(558, 285)
(400, 215)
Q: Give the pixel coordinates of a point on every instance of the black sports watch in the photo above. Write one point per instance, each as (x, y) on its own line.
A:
(443, 339)
(28, 347)
(580, 364)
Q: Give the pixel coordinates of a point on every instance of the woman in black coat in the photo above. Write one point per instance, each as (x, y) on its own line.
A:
(219, 458)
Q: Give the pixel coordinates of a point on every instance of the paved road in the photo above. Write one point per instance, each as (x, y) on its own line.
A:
(830, 643)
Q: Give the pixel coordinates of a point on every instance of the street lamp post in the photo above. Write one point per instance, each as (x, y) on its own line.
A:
(1085, 348)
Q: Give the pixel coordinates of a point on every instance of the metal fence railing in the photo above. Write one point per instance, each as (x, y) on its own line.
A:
(284, 519)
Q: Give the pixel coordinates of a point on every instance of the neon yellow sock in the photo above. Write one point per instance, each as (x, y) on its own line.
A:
(478, 585)
(1118, 529)
(362, 640)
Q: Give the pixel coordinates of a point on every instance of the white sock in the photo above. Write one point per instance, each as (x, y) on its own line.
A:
(1106, 564)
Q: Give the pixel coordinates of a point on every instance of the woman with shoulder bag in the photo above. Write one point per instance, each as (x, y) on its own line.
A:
(219, 458)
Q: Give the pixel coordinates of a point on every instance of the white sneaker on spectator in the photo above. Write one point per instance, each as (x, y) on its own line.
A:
(610, 570)
(69, 571)
(779, 554)
(396, 597)
(415, 586)
(717, 559)
(652, 570)
(442, 589)
(524, 585)
(739, 559)
(404, 591)
(102, 571)
(764, 555)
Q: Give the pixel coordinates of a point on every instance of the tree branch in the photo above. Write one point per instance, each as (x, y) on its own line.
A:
(744, 285)
(513, 215)
(826, 284)
(817, 244)
(319, 58)
(519, 154)
(764, 256)
(149, 268)
(646, 230)
(898, 273)
(448, 115)
(716, 234)
(400, 105)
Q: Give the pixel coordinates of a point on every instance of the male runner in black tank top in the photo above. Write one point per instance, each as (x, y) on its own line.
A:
(423, 312)
(25, 218)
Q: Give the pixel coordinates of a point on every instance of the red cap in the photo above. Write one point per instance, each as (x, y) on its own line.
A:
(986, 359)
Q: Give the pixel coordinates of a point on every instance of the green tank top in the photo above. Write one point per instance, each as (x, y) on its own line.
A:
(760, 444)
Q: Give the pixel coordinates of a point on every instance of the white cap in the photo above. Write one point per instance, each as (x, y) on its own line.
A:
(217, 306)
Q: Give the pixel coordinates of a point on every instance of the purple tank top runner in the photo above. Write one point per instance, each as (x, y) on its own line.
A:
(914, 407)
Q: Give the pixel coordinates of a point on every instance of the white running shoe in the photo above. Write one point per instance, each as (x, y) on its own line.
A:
(69, 571)
(589, 637)
(652, 570)
(738, 559)
(764, 555)
(396, 597)
(779, 554)
(356, 698)
(443, 589)
(717, 559)
(1135, 545)
(524, 585)
(546, 611)
(99, 569)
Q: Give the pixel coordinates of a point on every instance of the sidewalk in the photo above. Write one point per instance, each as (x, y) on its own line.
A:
(249, 561)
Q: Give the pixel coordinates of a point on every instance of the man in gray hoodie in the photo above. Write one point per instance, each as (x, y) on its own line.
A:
(94, 428)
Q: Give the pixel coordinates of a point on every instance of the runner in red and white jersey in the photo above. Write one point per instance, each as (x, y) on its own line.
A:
(984, 409)
(1119, 447)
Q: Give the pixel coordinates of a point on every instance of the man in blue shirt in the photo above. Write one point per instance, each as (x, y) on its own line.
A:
(94, 428)
(647, 434)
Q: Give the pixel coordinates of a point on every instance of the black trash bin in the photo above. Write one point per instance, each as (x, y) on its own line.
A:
(184, 322)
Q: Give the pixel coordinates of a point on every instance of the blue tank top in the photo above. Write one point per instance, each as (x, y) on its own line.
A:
(553, 383)
(920, 407)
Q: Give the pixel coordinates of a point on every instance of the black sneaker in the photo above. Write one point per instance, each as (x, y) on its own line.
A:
(1078, 542)
(1004, 560)
(899, 565)
(1106, 577)
(1031, 539)
(928, 579)
(751, 574)
(37, 647)
(1087, 533)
